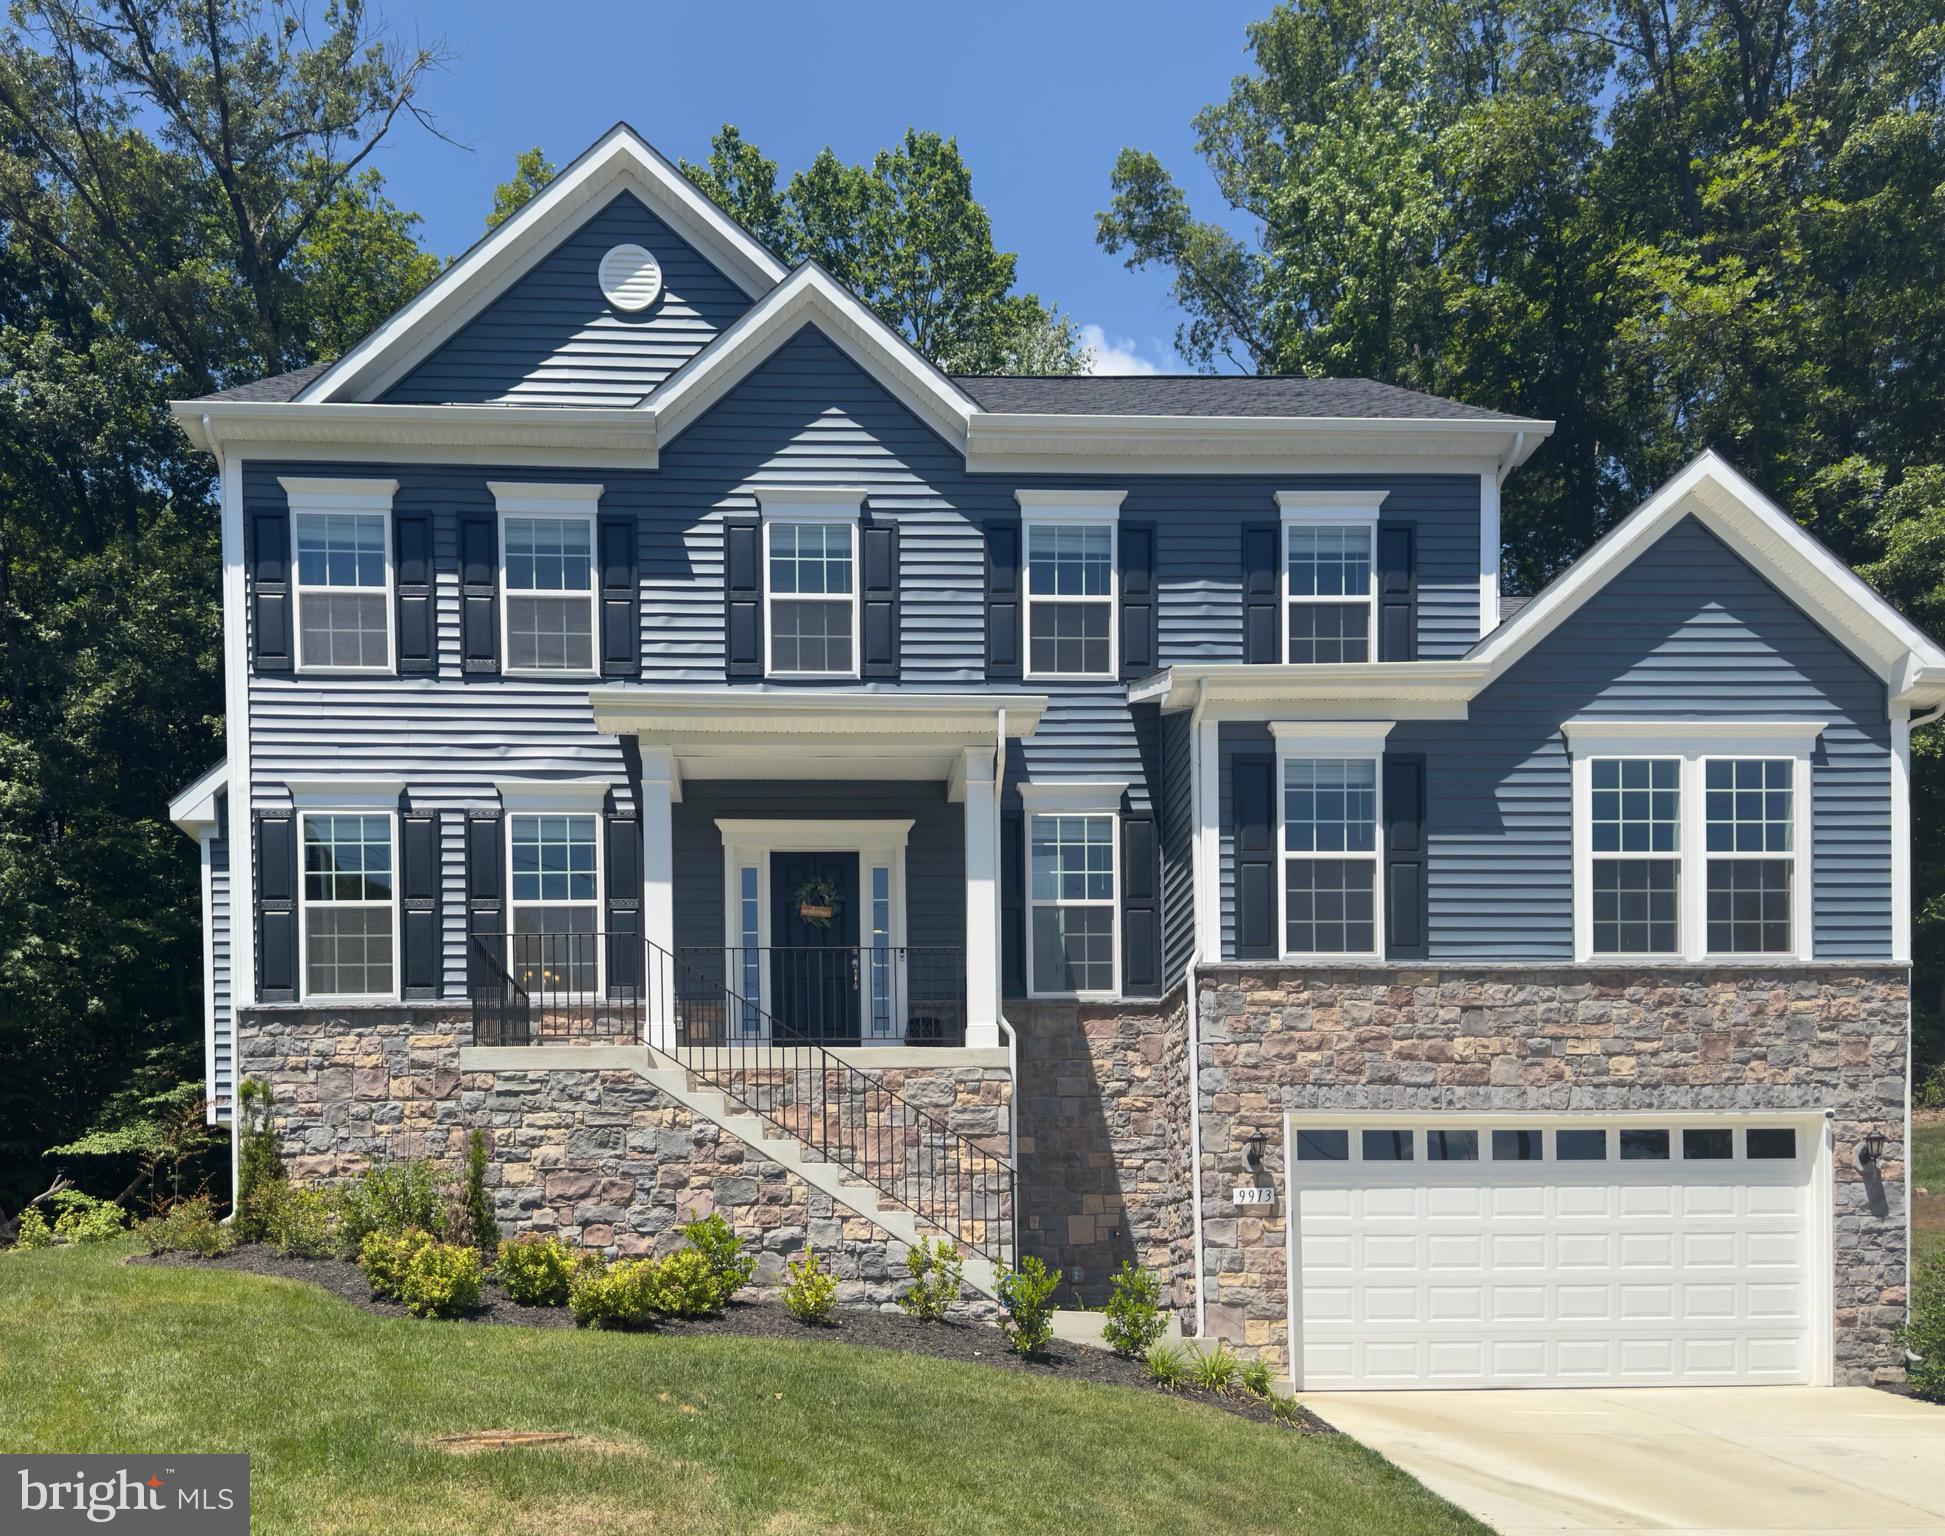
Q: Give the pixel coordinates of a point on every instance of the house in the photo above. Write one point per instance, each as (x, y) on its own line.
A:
(677, 730)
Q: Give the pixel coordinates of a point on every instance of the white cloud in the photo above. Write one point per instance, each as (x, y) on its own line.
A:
(1121, 356)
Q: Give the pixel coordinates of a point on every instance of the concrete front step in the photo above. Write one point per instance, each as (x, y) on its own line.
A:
(1088, 1327)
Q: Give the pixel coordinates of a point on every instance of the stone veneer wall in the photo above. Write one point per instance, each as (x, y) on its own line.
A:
(601, 1157)
(1277, 1038)
(1104, 1141)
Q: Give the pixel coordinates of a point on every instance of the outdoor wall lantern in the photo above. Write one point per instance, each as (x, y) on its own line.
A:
(1870, 1151)
(1254, 1156)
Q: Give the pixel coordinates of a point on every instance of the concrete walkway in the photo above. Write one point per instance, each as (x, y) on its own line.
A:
(1706, 1461)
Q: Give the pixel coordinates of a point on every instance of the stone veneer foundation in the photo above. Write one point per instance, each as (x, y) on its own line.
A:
(600, 1157)
(1276, 1038)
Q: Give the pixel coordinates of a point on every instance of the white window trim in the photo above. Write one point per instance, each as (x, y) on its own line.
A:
(389, 810)
(537, 806)
(749, 842)
(1327, 509)
(823, 505)
(1696, 743)
(567, 502)
(1050, 804)
(309, 495)
(1298, 741)
(1052, 509)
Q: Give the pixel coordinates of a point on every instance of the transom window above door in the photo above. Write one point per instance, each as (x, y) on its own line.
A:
(341, 541)
(548, 580)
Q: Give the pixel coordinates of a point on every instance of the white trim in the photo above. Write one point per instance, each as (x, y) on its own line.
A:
(596, 903)
(1082, 515)
(1309, 517)
(308, 496)
(555, 504)
(659, 790)
(1073, 795)
(1208, 834)
(811, 503)
(1072, 506)
(817, 835)
(194, 807)
(207, 879)
(558, 795)
(826, 519)
(1901, 837)
(487, 436)
(1330, 738)
(1490, 554)
(344, 794)
(1353, 746)
(1704, 738)
(1112, 903)
(1330, 506)
(236, 730)
(355, 807)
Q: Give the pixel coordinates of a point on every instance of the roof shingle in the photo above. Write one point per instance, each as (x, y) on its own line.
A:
(1205, 394)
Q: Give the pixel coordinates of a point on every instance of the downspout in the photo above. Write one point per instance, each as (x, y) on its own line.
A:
(1190, 1002)
(1505, 466)
(999, 974)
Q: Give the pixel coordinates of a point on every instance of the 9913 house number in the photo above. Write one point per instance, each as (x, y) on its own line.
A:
(1252, 1194)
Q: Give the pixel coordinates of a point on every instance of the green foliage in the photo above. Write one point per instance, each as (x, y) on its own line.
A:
(1168, 1366)
(1286, 1410)
(1134, 1312)
(304, 1223)
(188, 1226)
(935, 1269)
(483, 1231)
(34, 1230)
(393, 1198)
(1216, 1370)
(535, 1271)
(1026, 1297)
(154, 1133)
(810, 1291)
(531, 172)
(1923, 1334)
(685, 1284)
(907, 236)
(386, 1257)
(619, 1295)
(730, 1268)
(1257, 1379)
(84, 1219)
(260, 1174)
(441, 1280)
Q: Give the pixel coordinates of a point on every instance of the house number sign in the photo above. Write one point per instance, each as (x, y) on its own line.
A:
(1252, 1194)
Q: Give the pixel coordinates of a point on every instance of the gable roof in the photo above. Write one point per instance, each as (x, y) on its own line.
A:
(1211, 394)
(620, 160)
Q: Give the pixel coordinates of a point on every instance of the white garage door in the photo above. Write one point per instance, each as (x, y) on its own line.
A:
(1578, 1253)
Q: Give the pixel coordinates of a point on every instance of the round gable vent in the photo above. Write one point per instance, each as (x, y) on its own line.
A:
(630, 277)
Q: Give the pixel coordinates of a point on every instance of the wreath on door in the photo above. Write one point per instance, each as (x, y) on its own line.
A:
(817, 902)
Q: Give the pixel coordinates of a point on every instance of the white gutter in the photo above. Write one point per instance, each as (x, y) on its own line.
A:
(1190, 1003)
(1512, 459)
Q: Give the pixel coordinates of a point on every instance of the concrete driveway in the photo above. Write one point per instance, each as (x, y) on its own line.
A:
(1708, 1461)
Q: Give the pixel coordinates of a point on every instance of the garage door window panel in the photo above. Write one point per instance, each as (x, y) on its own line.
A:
(1452, 1146)
(1644, 1146)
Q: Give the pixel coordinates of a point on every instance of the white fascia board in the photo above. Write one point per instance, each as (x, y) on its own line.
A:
(1694, 738)
(308, 493)
(194, 808)
(1097, 795)
(482, 434)
(621, 160)
(1072, 506)
(809, 296)
(823, 712)
(1389, 689)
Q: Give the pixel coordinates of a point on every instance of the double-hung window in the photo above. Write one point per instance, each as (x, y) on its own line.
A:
(1071, 581)
(547, 568)
(349, 921)
(342, 542)
(1691, 838)
(556, 900)
(1329, 579)
(1330, 855)
(810, 556)
(1073, 891)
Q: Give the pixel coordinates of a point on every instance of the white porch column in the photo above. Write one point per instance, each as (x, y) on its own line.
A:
(658, 890)
(982, 901)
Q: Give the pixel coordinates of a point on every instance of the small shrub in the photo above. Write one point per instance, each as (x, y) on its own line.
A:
(1930, 1090)
(810, 1291)
(1134, 1312)
(685, 1284)
(34, 1230)
(1923, 1335)
(188, 1226)
(483, 1231)
(84, 1219)
(1286, 1410)
(730, 1268)
(441, 1280)
(535, 1271)
(935, 1269)
(259, 1170)
(304, 1223)
(613, 1295)
(1256, 1379)
(385, 1257)
(1216, 1370)
(1026, 1297)
(1168, 1367)
(393, 1198)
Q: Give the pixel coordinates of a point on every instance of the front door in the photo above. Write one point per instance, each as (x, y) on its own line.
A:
(814, 947)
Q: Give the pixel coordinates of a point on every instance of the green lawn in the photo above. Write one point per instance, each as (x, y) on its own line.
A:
(337, 1407)
(1928, 1173)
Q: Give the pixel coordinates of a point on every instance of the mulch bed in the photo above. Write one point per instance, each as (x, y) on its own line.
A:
(971, 1343)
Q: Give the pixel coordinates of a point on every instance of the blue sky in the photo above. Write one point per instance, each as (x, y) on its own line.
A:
(1041, 97)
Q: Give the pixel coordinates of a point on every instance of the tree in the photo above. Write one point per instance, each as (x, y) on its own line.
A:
(531, 171)
(907, 236)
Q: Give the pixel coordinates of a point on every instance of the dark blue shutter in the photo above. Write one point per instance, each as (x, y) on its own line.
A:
(878, 592)
(270, 594)
(1406, 883)
(479, 591)
(419, 907)
(624, 903)
(1253, 776)
(1013, 902)
(486, 923)
(1262, 592)
(1141, 937)
(1397, 593)
(1003, 594)
(743, 597)
(412, 574)
(1139, 647)
(277, 876)
(621, 631)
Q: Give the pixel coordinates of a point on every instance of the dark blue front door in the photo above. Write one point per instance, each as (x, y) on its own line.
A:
(814, 958)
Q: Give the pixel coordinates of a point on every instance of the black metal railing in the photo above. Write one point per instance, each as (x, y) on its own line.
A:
(867, 994)
(936, 1160)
